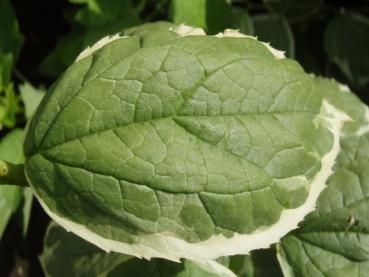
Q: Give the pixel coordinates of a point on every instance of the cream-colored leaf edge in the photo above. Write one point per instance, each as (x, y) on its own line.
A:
(182, 30)
(98, 45)
(278, 54)
(185, 30)
(172, 248)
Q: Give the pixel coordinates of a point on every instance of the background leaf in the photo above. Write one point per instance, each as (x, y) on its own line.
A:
(6, 63)
(94, 20)
(241, 21)
(260, 263)
(276, 30)
(346, 44)
(294, 10)
(212, 15)
(242, 265)
(11, 39)
(218, 16)
(31, 98)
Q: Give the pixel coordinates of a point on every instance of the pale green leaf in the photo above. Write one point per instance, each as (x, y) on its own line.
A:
(182, 146)
(334, 240)
(10, 196)
(31, 98)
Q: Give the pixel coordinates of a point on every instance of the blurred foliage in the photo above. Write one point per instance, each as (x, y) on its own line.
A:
(280, 35)
(11, 41)
(346, 44)
(92, 20)
(39, 40)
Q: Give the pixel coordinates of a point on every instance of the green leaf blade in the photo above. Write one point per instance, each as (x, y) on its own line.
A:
(177, 132)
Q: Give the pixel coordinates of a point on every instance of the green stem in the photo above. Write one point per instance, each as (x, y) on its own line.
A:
(12, 174)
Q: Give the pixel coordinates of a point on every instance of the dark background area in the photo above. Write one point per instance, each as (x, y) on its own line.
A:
(44, 23)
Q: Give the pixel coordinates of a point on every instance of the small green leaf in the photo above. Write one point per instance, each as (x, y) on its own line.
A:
(65, 254)
(294, 10)
(334, 239)
(276, 30)
(31, 98)
(346, 44)
(10, 196)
